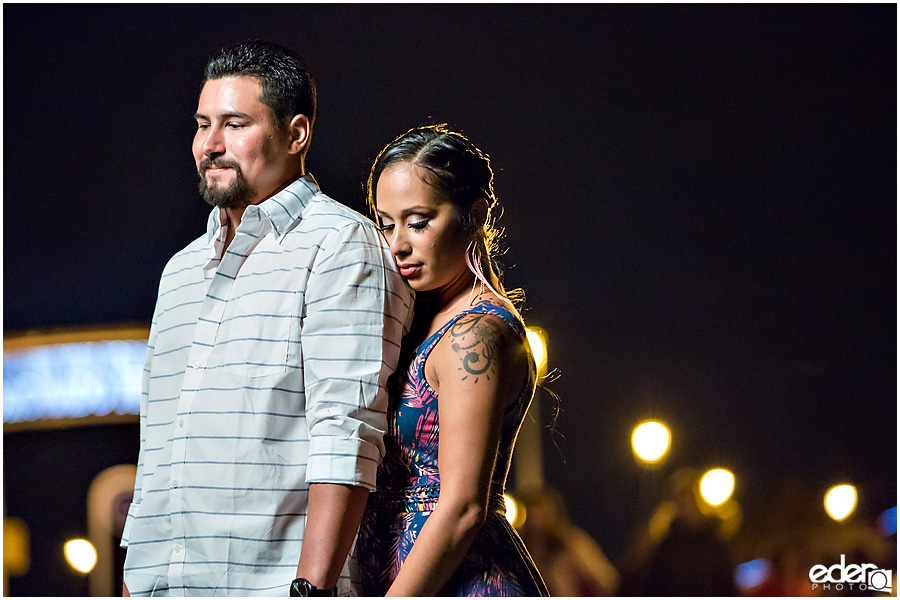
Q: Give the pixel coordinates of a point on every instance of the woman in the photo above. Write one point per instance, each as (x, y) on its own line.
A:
(436, 524)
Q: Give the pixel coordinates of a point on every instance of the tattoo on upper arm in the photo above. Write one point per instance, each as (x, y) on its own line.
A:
(477, 338)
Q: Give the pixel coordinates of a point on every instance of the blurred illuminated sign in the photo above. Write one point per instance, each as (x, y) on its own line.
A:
(63, 381)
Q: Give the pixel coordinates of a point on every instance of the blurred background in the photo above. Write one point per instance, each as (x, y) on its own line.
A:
(700, 204)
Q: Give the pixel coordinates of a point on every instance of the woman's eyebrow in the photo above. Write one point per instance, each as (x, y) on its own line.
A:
(416, 209)
(409, 210)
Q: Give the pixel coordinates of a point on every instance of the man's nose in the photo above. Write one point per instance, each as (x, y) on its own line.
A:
(214, 142)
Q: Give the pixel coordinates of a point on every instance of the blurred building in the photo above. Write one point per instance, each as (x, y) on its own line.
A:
(70, 437)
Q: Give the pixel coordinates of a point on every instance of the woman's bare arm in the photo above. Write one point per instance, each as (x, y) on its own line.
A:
(477, 369)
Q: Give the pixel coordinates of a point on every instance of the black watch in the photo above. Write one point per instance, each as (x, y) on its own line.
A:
(301, 587)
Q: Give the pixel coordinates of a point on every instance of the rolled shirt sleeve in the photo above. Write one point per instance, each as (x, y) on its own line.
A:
(356, 310)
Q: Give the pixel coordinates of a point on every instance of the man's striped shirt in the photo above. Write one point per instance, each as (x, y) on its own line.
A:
(266, 371)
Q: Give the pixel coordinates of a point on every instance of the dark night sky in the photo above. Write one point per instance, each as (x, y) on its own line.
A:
(700, 202)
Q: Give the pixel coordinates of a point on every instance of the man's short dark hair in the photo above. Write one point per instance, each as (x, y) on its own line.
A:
(288, 88)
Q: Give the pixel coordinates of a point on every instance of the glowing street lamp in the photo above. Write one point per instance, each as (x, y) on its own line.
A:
(716, 486)
(840, 501)
(81, 555)
(650, 441)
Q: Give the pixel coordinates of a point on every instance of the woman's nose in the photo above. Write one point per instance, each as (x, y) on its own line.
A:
(398, 243)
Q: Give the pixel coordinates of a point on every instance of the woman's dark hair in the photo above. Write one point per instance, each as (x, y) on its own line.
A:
(288, 88)
(461, 173)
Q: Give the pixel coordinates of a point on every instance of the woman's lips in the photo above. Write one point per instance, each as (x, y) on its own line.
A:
(408, 270)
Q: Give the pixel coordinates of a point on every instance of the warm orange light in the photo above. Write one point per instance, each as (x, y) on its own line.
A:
(716, 486)
(840, 501)
(515, 512)
(650, 441)
(81, 555)
(538, 342)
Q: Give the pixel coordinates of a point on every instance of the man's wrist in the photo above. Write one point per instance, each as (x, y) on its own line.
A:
(301, 587)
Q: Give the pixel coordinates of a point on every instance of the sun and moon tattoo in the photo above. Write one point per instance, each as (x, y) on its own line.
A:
(478, 339)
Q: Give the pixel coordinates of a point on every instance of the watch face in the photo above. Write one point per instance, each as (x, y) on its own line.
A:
(301, 587)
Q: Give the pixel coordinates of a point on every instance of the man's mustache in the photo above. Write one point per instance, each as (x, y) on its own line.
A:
(208, 163)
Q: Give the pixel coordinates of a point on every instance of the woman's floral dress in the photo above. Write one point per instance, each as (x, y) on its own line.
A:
(409, 483)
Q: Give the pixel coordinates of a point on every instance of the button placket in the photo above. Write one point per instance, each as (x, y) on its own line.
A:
(219, 291)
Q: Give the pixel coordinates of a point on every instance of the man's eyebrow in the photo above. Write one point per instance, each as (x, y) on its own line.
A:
(228, 115)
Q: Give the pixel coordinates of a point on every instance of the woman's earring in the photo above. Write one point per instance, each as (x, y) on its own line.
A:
(470, 260)
(473, 261)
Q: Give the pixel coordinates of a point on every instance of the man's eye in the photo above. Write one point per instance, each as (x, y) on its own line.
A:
(202, 125)
(234, 125)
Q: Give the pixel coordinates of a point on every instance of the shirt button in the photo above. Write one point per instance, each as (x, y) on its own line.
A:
(197, 364)
(181, 422)
(177, 548)
(174, 483)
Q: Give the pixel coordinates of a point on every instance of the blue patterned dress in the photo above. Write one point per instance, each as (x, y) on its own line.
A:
(409, 483)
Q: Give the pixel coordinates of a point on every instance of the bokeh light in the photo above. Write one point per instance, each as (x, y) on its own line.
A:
(716, 486)
(538, 342)
(752, 573)
(840, 501)
(887, 522)
(510, 509)
(16, 554)
(81, 555)
(650, 441)
(515, 512)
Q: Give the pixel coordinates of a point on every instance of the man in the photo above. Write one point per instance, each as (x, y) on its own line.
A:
(264, 399)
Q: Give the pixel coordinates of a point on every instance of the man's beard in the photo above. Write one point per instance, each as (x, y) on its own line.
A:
(237, 195)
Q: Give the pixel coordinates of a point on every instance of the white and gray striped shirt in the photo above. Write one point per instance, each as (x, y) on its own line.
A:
(266, 371)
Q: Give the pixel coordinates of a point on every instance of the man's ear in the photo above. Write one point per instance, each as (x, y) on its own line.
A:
(299, 130)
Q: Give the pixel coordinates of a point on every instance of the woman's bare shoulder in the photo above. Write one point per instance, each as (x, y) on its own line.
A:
(477, 348)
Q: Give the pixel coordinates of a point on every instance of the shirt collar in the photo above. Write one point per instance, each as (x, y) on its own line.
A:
(283, 210)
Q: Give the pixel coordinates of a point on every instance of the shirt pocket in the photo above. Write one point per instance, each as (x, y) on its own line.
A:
(259, 336)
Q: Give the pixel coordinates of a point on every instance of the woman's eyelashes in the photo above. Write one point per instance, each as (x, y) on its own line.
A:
(417, 225)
